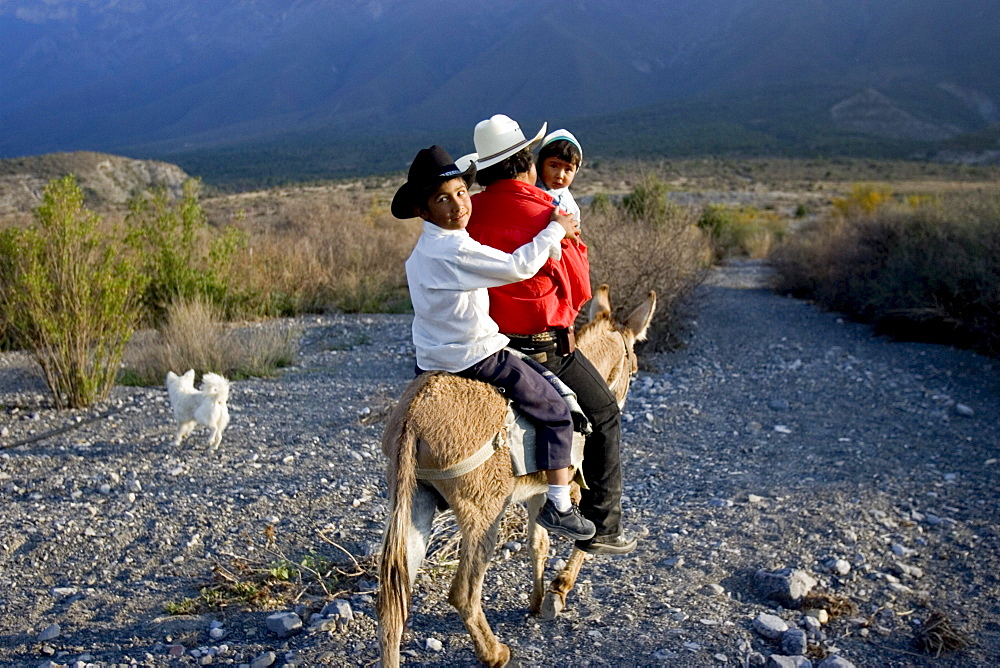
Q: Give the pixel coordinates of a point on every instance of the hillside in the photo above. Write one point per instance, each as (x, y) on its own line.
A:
(178, 78)
(105, 179)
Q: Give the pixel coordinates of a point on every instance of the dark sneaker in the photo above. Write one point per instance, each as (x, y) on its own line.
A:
(570, 524)
(608, 544)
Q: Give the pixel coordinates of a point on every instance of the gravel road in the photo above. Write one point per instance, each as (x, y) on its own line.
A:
(781, 437)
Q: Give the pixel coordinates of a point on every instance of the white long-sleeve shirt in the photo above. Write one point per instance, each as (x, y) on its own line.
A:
(564, 200)
(448, 273)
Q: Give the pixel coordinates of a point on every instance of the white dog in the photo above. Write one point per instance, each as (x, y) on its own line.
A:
(192, 407)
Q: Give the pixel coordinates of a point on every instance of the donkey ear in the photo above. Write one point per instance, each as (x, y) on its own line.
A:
(600, 304)
(639, 319)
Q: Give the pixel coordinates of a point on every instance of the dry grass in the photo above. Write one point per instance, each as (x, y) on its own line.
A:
(633, 255)
(938, 634)
(193, 337)
(925, 268)
(319, 249)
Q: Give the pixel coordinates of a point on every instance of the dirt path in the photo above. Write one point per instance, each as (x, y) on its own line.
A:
(780, 437)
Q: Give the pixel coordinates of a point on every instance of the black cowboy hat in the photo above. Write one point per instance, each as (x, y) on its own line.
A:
(430, 168)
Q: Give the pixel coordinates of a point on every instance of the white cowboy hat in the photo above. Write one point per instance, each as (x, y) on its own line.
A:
(466, 160)
(499, 137)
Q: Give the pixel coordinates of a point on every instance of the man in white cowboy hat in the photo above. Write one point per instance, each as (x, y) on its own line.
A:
(537, 314)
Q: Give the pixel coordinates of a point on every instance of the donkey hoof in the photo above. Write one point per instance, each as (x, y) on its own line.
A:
(504, 660)
(552, 605)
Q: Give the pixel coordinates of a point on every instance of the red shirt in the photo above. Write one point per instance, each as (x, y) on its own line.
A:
(507, 215)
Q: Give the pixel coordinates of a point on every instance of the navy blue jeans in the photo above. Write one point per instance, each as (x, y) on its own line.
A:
(536, 399)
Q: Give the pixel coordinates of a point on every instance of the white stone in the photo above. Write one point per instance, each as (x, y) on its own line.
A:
(434, 645)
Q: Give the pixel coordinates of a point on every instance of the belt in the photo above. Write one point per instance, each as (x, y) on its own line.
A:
(542, 337)
(559, 341)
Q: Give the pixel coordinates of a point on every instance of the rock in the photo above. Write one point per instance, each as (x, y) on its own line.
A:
(779, 661)
(672, 562)
(284, 624)
(838, 566)
(835, 661)
(964, 411)
(793, 642)
(434, 645)
(811, 623)
(49, 633)
(264, 660)
(785, 585)
(819, 614)
(779, 404)
(754, 499)
(712, 590)
(217, 633)
(339, 610)
(769, 626)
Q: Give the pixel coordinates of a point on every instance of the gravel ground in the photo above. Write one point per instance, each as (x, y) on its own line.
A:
(781, 437)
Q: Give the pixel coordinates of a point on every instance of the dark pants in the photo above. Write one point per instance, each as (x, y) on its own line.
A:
(536, 399)
(602, 465)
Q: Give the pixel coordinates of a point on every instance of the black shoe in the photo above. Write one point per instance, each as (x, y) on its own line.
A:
(570, 524)
(608, 544)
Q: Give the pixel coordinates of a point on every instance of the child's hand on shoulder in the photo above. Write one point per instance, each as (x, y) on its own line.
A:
(568, 223)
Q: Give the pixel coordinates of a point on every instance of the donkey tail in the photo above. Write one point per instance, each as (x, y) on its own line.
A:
(395, 588)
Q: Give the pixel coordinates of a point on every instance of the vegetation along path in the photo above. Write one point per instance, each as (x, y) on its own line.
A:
(781, 437)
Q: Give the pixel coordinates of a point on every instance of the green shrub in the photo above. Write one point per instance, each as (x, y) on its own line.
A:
(182, 256)
(926, 270)
(648, 202)
(742, 230)
(69, 295)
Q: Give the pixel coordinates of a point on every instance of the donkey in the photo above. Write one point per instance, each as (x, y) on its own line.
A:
(440, 421)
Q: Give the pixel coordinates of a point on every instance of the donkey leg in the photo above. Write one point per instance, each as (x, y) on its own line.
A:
(555, 597)
(392, 615)
(478, 543)
(422, 510)
(538, 552)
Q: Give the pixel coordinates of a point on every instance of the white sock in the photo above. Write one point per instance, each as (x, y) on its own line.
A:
(559, 496)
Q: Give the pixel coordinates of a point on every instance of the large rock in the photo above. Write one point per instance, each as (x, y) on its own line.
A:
(784, 585)
(284, 624)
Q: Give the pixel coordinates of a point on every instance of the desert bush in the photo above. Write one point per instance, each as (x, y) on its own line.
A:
(648, 202)
(925, 272)
(182, 255)
(863, 199)
(742, 230)
(332, 252)
(69, 295)
(193, 336)
(634, 254)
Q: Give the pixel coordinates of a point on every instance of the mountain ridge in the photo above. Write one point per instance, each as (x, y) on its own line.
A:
(165, 77)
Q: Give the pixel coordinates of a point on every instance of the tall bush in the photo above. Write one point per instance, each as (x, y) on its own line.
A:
(640, 246)
(926, 269)
(69, 295)
(182, 255)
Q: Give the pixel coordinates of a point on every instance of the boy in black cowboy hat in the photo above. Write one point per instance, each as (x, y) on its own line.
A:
(448, 274)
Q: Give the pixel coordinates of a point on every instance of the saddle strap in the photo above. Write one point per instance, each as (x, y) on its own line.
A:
(470, 463)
